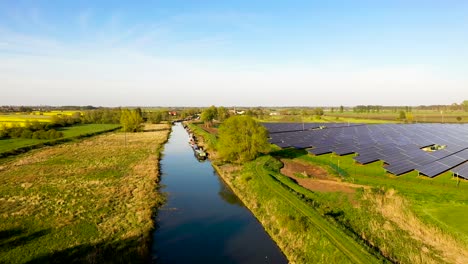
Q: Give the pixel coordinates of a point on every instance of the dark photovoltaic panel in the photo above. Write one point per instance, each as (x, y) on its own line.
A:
(399, 146)
(462, 170)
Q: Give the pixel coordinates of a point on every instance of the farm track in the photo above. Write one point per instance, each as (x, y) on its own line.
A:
(348, 246)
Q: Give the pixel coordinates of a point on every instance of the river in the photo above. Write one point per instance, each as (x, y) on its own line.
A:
(203, 221)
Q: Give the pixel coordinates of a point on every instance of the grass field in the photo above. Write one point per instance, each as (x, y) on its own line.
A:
(10, 145)
(89, 201)
(324, 119)
(406, 219)
(419, 116)
(439, 203)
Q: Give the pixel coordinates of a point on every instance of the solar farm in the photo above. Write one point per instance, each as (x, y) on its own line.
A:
(430, 149)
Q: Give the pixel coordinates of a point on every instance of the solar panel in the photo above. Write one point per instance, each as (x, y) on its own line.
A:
(461, 170)
(398, 145)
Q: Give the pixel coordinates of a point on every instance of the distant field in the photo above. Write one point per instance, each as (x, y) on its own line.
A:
(20, 119)
(7, 145)
(90, 201)
(325, 118)
(53, 113)
(419, 116)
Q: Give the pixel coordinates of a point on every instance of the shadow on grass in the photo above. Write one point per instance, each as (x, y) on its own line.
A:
(133, 250)
(17, 237)
(124, 251)
(289, 153)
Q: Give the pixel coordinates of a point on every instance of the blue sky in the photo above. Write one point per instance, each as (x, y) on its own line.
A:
(233, 53)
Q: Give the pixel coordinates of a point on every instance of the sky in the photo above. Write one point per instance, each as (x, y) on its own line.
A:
(233, 53)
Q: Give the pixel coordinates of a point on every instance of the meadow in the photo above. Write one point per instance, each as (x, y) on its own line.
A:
(18, 145)
(87, 201)
(324, 118)
(418, 116)
(404, 219)
(384, 116)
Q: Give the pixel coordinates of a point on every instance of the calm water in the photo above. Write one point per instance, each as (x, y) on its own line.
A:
(203, 221)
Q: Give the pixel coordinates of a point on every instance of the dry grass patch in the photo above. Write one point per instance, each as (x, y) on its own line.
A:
(396, 209)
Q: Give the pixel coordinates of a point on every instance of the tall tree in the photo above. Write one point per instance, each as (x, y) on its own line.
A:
(222, 113)
(402, 115)
(208, 115)
(241, 139)
(131, 120)
(465, 105)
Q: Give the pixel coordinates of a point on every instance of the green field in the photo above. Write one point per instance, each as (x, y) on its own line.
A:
(8, 145)
(89, 201)
(419, 116)
(324, 119)
(441, 201)
(384, 116)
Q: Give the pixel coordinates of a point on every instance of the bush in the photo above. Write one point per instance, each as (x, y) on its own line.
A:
(273, 165)
(26, 133)
(15, 132)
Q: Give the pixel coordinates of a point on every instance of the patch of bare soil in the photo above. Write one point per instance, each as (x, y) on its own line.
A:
(319, 179)
(211, 130)
(292, 167)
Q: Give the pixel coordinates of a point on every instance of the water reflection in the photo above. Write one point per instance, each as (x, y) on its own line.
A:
(227, 195)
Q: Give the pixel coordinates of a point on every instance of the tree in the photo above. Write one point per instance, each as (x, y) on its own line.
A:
(155, 117)
(465, 105)
(131, 120)
(208, 115)
(222, 113)
(402, 115)
(241, 139)
(341, 109)
(318, 111)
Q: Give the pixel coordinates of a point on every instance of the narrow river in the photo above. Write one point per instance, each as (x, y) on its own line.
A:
(202, 220)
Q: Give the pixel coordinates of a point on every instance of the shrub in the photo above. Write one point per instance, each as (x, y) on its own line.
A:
(26, 133)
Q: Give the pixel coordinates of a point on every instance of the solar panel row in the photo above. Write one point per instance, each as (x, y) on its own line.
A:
(398, 145)
(462, 170)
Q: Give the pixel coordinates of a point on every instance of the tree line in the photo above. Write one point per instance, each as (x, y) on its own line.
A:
(34, 130)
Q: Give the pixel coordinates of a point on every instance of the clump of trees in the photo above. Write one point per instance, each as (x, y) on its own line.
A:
(102, 116)
(131, 120)
(212, 113)
(241, 139)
